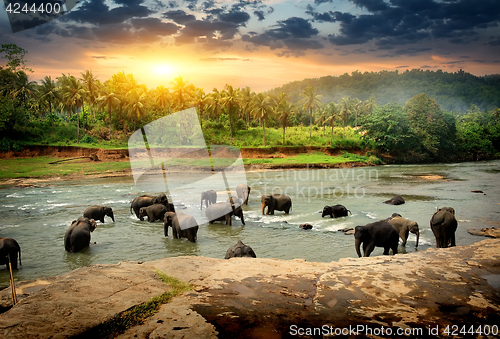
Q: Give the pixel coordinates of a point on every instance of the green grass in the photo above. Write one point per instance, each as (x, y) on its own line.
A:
(314, 158)
(40, 167)
(137, 314)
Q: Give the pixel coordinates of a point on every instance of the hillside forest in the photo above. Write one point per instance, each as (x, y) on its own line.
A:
(413, 116)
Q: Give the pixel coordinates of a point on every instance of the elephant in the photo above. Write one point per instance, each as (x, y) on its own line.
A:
(147, 200)
(98, 212)
(224, 211)
(183, 225)
(444, 225)
(153, 212)
(77, 236)
(210, 198)
(394, 215)
(376, 234)
(306, 226)
(243, 192)
(276, 202)
(240, 250)
(404, 227)
(9, 247)
(396, 200)
(335, 211)
(234, 200)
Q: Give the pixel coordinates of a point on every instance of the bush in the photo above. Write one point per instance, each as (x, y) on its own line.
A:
(87, 139)
(9, 145)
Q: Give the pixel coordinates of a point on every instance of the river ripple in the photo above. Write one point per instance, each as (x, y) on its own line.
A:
(38, 217)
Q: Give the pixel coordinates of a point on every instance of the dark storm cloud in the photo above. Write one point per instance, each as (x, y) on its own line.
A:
(399, 22)
(155, 26)
(293, 34)
(179, 16)
(260, 15)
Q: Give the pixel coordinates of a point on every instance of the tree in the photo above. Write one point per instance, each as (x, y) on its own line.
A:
(91, 85)
(50, 94)
(261, 108)
(284, 110)
(162, 97)
(332, 112)
(182, 92)
(346, 107)
(15, 56)
(245, 102)
(310, 102)
(136, 105)
(229, 99)
(23, 88)
(73, 96)
(108, 99)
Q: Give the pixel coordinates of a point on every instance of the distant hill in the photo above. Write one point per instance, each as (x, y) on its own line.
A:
(453, 91)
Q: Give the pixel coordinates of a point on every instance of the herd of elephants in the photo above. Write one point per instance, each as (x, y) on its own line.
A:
(382, 233)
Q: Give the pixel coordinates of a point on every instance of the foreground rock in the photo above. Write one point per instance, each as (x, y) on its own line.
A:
(486, 232)
(269, 298)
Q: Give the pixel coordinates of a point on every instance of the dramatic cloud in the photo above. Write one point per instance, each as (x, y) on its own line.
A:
(400, 22)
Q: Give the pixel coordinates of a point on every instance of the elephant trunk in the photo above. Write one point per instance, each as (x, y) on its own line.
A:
(112, 217)
(357, 244)
(418, 237)
(263, 207)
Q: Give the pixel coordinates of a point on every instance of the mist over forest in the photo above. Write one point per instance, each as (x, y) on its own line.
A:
(455, 92)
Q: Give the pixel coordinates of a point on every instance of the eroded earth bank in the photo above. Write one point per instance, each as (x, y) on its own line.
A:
(267, 298)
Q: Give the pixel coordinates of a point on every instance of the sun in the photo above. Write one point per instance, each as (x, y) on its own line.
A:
(163, 69)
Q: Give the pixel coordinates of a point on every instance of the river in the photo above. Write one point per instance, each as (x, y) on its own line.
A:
(38, 217)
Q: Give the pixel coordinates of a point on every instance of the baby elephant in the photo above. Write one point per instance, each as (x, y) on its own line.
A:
(153, 212)
(183, 225)
(396, 200)
(98, 212)
(77, 236)
(443, 225)
(240, 250)
(404, 227)
(376, 234)
(9, 247)
(335, 211)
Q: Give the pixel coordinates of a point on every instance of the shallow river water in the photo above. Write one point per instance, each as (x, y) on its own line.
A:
(38, 217)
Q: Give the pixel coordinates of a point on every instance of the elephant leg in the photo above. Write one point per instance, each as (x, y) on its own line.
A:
(452, 239)
(367, 250)
(386, 250)
(174, 231)
(395, 249)
(405, 237)
(228, 219)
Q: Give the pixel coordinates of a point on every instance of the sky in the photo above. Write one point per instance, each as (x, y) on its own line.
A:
(258, 43)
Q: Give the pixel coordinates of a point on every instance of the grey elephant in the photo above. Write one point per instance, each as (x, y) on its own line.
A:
(335, 211)
(77, 236)
(234, 200)
(148, 200)
(210, 198)
(183, 226)
(276, 202)
(224, 211)
(153, 212)
(9, 248)
(377, 234)
(243, 192)
(240, 250)
(98, 212)
(444, 225)
(404, 227)
(396, 200)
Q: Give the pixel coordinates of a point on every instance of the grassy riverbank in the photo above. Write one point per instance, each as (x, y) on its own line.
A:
(40, 167)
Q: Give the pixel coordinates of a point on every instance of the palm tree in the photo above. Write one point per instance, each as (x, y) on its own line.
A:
(310, 102)
(261, 107)
(229, 99)
(199, 102)
(332, 112)
(23, 88)
(50, 94)
(108, 99)
(284, 110)
(73, 96)
(91, 85)
(245, 102)
(181, 92)
(136, 105)
(346, 107)
(162, 97)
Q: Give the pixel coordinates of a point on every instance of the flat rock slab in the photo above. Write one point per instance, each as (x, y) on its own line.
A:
(485, 232)
(269, 298)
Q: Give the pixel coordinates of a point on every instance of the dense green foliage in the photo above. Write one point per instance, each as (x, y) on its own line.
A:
(453, 91)
(412, 126)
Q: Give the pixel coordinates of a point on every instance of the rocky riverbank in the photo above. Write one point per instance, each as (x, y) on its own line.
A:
(423, 292)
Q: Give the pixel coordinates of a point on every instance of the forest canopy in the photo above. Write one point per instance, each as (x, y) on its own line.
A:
(390, 114)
